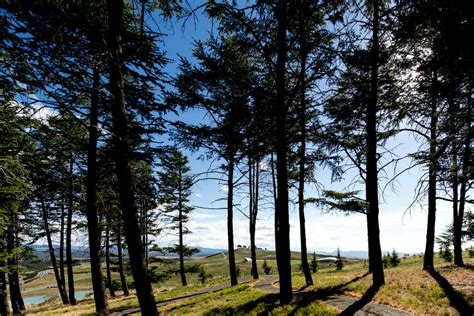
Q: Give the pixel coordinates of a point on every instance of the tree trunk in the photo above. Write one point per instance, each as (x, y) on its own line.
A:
(432, 169)
(4, 307)
(230, 220)
(61, 247)
(62, 291)
(107, 261)
(464, 173)
(123, 280)
(282, 230)
(180, 228)
(91, 205)
(375, 252)
(457, 221)
(123, 170)
(12, 263)
(253, 209)
(70, 211)
(302, 165)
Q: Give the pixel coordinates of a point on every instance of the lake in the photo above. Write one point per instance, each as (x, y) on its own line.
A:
(41, 298)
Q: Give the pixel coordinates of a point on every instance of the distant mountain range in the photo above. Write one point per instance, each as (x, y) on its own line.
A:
(82, 252)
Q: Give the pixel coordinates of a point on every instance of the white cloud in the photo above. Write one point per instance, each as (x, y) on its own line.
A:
(198, 195)
(224, 188)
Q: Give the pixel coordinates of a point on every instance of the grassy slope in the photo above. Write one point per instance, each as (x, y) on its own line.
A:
(407, 287)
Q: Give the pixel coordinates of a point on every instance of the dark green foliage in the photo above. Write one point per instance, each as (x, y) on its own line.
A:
(446, 253)
(203, 276)
(391, 259)
(157, 275)
(267, 269)
(339, 262)
(394, 259)
(314, 263)
(347, 202)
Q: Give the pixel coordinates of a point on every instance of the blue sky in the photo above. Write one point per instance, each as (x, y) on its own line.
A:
(405, 231)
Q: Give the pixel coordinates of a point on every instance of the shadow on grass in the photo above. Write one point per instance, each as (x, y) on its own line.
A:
(263, 305)
(364, 300)
(301, 300)
(455, 298)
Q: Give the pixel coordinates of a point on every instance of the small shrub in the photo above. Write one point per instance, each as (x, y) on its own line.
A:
(339, 262)
(193, 268)
(203, 276)
(445, 253)
(157, 276)
(394, 259)
(314, 263)
(386, 260)
(267, 269)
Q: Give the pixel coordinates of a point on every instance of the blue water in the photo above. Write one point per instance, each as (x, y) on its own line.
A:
(37, 299)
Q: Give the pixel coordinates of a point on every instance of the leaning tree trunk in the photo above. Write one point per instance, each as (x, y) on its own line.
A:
(62, 291)
(375, 251)
(123, 280)
(70, 210)
(123, 169)
(61, 246)
(91, 205)
(282, 229)
(432, 170)
(230, 220)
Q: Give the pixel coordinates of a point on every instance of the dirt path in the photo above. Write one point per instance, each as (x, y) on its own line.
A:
(341, 302)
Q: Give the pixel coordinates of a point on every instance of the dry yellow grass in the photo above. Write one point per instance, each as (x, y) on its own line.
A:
(407, 287)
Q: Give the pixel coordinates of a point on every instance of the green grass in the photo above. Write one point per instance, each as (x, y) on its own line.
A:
(243, 300)
(407, 287)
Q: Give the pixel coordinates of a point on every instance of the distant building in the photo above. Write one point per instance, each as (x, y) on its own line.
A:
(327, 260)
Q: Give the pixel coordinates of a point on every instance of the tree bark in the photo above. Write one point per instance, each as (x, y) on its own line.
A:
(12, 263)
(143, 286)
(282, 229)
(464, 173)
(432, 169)
(4, 307)
(107, 261)
(61, 246)
(180, 228)
(373, 230)
(123, 280)
(230, 220)
(253, 210)
(302, 164)
(70, 211)
(457, 221)
(93, 229)
(62, 291)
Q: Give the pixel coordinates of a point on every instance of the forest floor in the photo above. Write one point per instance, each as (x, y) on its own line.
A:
(449, 291)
